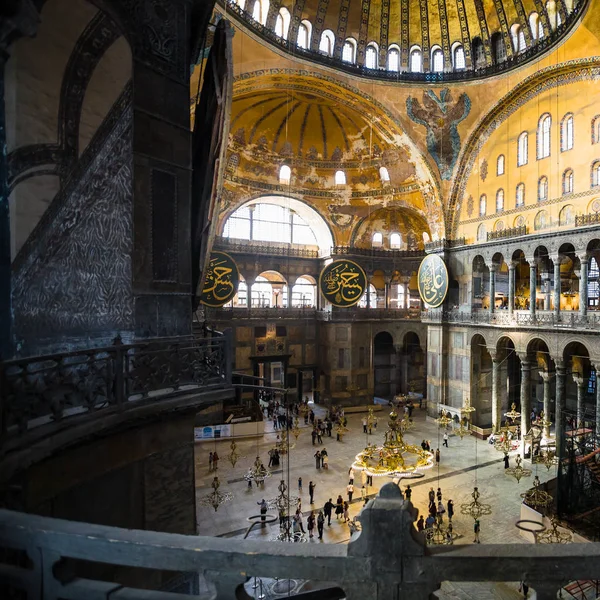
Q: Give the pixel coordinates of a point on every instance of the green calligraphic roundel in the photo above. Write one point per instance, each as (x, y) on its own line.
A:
(433, 280)
(343, 283)
(222, 279)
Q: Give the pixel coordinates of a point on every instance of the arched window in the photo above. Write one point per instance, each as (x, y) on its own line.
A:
(437, 60)
(500, 165)
(553, 16)
(520, 196)
(393, 59)
(327, 42)
(596, 130)
(542, 189)
(269, 292)
(536, 26)
(241, 3)
(458, 56)
(543, 136)
(372, 295)
(498, 47)
(260, 11)
(522, 150)
(481, 233)
(384, 175)
(500, 200)
(478, 53)
(395, 241)
(371, 57)
(285, 175)
(377, 239)
(482, 205)
(304, 31)
(566, 133)
(304, 293)
(593, 284)
(349, 51)
(567, 182)
(596, 173)
(282, 24)
(416, 60)
(340, 178)
(518, 38)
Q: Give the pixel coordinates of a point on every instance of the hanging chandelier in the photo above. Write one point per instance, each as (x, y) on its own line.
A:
(234, 455)
(439, 535)
(554, 536)
(512, 414)
(216, 498)
(518, 472)
(341, 430)
(281, 445)
(283, 499)
(296, 431)
(257, 473)
(475, 509)
(406, 424)
(395, 456)
(463, 429)
(444, 419)
(536, 497)
(547, 458)
(282, 503)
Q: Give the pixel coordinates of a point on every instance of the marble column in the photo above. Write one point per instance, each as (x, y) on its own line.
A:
(511, 288)
(546, 376)
(556, 287)
(583, 287)
(559, 407)
(532, 287)
(249, 284)
(496, 399)
(492, 289)
(388, 291)
(582, 383)
(547, 291)
(525, 401)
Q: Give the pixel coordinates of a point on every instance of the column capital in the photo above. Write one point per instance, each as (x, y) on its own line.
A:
(580, 380)
(511, 265)
(583, 256)
(526, 361)
(532, 261)
(546, 376)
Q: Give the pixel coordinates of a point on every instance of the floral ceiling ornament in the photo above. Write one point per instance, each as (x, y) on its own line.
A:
(441, 116)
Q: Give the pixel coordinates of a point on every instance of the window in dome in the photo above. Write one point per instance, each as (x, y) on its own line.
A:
(349, 51)
(596, 130)
(282, 24)
(518, 38)
(459, 58)
(520, 198)
(543, 136)
(522, 149)
(395, 241)
(393, 59)
(371, 55)
(327, 42)
(542, 189)
(416, 60)
(241, 3)
(553, 16)
(285, 175)
(481, 233)
(478, 53)
(566, 133)
(500, 200)
(500, 165)
(260, 11)
(498, 48)
(384, 175)
(596, 173)
(437, 60)
(377, 238)
(482, 205)
(568, 182)
(535, 25)
(303, 35)
(340, 178)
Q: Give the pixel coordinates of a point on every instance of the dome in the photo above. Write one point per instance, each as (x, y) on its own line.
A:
(413, 40)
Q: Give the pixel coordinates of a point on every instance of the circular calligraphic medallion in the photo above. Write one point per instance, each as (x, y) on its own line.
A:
(222, 278)
(343, 283)
(433, 280)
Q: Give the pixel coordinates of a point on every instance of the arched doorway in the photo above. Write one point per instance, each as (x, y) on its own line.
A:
(481, 382)
(384, 365)
(412, 365)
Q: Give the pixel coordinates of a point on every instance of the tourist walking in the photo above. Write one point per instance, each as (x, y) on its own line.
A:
(350, 490)
(431, 494)
(298, 521)
(420, 523)
(364, 424)
(310, 524)
(429, 521)
(215, 460)
(408, 492)
(320, 524)
(327, 510)
(524, 588)
(440, 510)
(363, 494)
(476, 531)
(300, 484)
(351, 475)
(210, 461)
(339, 507)
(318, 460)
(263, 511)
(450, 510)
(314, 435)
(506, 463)
(346, 512)
(439, 494)
(445, 439)
(311, 491)
(323, 455)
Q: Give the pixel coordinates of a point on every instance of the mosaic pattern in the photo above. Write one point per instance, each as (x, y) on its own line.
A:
(445, 32)
(363, 31)
(342, 26)
(504, 27)
(404, 32)
(424, 33)
(318, 22)
(483, 28)
(464, 31)
(385, 28)
(441, 116)
(298, 9)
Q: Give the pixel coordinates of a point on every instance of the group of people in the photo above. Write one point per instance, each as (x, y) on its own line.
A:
(321, 459)
(213, 461)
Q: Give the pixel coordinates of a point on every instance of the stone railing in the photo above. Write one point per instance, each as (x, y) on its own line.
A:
(589, 219)
(509, 232)
(252, 247)
(387, 559)
(379, 252)
(41, 394)
(444, 243)
(539, 47)
(264, 314)
(368, 314)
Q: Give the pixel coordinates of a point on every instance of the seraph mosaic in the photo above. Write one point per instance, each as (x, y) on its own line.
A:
(440, 116)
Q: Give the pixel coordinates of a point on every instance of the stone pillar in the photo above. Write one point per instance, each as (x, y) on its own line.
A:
(546, 379)
(532, 287)
(496, 400)
(547, 291)
(249, 284)
(583, 286)
(492, 289)
(559, 406)
(5, 254)
(511, 288)
(406, 282)
(556, 287)
(525, 400)
(582, 383)
(388, 290)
